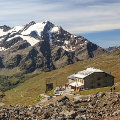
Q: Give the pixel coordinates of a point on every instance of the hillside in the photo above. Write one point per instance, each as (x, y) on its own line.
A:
(37, 47)
(28, 92)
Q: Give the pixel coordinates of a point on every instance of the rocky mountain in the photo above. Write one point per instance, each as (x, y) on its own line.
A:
(112, 48)
(42, 46)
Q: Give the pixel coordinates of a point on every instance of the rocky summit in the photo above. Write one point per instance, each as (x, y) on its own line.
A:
(100, 106)
(42, 46)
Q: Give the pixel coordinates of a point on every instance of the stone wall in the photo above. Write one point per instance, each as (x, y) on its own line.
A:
(98, 80)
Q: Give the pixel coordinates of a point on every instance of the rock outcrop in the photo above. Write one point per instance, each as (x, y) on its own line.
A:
(91, 107)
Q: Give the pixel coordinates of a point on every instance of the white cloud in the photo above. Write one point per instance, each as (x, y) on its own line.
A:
(76, 16)
(94, 28)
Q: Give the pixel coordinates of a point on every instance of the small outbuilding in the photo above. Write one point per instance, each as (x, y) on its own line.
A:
(89, 79)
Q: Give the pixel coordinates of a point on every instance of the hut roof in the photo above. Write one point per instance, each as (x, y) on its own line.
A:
(84, 73)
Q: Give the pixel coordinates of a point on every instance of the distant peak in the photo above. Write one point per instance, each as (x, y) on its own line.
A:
(44, 22)
(32, 23)
(5, 28)
(47, 22)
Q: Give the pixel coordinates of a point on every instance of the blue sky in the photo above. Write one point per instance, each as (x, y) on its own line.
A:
(104, 38)
(97, 20)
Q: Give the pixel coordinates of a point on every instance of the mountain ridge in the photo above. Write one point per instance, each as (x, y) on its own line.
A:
(43, 46)
(112, 48)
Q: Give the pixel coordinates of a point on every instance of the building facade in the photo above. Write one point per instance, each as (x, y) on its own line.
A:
(89, 79)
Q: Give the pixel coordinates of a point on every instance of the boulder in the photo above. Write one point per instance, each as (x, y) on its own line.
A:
(116, 113)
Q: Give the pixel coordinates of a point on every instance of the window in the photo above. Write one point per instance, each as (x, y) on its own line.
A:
(106, 81)
(92, 82)
(98, 84)
(91, 87)
(76, 79)
(106, 74)
(80, 80)
(98, 78)
(83, 81)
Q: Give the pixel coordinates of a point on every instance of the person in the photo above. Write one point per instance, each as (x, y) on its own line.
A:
(65, 86)
(114, 88)
(110, 89)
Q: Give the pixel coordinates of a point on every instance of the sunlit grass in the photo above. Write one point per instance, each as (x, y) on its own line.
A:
(27, 92)
(93, 91)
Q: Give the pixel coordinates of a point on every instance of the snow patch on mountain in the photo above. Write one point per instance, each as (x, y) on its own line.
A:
(29, 39)
(25, 34)
(65, 48)
(50, 36)
(55, 29)
(51, 31)
(2, 49)
(16, 29)
(13, 30)
(38, 28)
(68, 49)
(1, 32)
(66, 42)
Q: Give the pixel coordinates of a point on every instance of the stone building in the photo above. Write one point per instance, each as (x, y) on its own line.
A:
(89, 79)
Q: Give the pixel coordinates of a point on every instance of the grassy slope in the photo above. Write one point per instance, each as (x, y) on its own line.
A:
(11, 80)
(28, 92)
